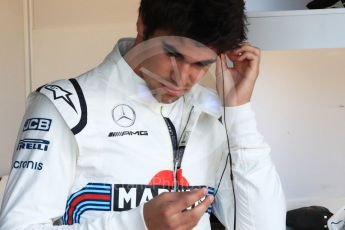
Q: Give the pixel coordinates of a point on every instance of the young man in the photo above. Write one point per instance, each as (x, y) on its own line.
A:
(136, 143)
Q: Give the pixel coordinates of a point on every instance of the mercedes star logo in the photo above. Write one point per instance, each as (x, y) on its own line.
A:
(123, 115)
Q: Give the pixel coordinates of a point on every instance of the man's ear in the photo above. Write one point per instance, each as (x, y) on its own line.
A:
(140, 27)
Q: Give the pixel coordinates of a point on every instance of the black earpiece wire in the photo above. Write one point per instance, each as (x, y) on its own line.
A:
(228, 158)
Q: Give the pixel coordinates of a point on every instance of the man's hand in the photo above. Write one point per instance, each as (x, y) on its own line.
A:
(168, 210)
(239, 80)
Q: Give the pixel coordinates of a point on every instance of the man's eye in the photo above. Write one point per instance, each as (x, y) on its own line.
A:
(201, 64)
(173, 54)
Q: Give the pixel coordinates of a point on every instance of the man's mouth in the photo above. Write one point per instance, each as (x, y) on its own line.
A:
(165, 85)
(173, 91)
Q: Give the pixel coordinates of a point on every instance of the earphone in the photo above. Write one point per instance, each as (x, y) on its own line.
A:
(228, 158)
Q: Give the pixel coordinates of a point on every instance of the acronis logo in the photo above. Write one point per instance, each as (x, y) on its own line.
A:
(28, 165)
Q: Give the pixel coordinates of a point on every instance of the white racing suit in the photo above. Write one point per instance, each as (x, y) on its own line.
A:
(92, 150)
(337, 221)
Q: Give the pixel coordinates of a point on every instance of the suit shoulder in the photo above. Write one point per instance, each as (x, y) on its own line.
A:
(68, 97)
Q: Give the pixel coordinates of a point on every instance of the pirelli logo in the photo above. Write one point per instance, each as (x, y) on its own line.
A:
(34, 144)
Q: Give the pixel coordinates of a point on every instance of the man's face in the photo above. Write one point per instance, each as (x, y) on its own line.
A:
(175, 67)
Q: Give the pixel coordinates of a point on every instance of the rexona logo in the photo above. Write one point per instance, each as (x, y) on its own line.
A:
(41, 124)
(34, 144)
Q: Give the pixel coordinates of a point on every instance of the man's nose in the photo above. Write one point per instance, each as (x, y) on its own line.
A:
(181, 74)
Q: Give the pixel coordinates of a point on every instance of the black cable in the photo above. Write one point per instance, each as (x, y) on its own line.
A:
(184, 129)
(228, 158)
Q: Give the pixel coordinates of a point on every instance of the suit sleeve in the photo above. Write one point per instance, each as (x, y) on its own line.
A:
(43, 170)
(260, 200)
(337, 221)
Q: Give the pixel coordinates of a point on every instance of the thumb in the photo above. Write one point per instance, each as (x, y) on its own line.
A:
(225, 83)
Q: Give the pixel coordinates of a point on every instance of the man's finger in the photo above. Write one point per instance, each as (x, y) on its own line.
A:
(248, 56)
(246, 48)
(190, 218)
(185, 200)
(220, 61)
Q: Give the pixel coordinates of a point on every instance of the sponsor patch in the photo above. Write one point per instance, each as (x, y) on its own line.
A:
(128, 133)
(28, 165)
(117, 197)
(129, 196)
(40, 124)
(60, 93)
(34, 144)
(123, 115)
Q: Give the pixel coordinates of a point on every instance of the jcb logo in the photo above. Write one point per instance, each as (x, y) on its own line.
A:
(41, 124)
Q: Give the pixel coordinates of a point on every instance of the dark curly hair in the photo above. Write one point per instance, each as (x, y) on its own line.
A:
(220, 24)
